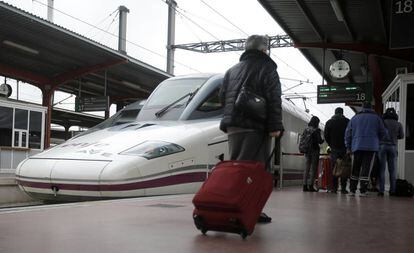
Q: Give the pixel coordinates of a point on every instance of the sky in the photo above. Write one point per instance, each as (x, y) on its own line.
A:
(196, 20)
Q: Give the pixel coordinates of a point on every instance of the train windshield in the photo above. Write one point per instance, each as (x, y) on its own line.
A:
(172, 90)
(126, 115)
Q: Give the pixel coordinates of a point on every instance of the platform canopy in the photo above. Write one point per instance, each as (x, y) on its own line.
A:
(353, 30)
(36, 51)
(67, 118)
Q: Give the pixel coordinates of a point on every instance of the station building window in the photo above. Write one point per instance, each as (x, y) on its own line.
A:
(394, 101)
(6, 126)
(35, 130)
(20, 128)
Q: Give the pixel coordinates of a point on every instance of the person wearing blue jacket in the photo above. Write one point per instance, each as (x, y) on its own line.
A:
(362, 138)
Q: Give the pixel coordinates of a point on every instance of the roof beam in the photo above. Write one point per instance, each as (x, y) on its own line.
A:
(348, 28)
(342, 17)
(403, 54)
(309, 18)
(382, 20)
(62, 78)
(19, 74)
(277, 18)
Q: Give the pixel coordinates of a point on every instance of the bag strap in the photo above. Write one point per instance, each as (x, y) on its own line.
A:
(267, 163)
(270, 157)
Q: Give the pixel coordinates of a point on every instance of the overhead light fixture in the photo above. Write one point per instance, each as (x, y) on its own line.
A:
(134, 86)
(337, 9)
(94, 85)
(20, 46)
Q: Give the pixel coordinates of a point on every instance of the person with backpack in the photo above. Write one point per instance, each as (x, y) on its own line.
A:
(388, 149)
(334, 134)
(309, 145)
(362, 138)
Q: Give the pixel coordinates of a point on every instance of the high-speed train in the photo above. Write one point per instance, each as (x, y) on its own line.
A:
(165, 146)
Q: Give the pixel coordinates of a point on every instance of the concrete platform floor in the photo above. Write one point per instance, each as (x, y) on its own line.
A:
(302, 222)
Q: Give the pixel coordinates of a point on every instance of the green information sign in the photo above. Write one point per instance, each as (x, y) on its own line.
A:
(341, 93)
(90, 104)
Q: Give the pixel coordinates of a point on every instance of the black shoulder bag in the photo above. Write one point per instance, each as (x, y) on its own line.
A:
(251, 104)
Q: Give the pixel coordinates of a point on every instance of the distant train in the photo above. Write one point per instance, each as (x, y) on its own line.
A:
(165, 146)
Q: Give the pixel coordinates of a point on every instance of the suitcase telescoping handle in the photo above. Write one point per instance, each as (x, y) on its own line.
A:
(267, 163)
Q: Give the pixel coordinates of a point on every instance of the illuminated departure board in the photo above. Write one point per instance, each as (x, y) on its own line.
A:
(341, 93)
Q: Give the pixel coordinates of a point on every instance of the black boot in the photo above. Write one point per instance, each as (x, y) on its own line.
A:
(263, 218)
(311, 189)
(305, 188)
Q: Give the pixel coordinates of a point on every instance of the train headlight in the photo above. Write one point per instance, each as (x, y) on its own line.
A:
(153, 149)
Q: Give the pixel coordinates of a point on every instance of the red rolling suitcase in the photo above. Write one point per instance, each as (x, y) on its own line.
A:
(324, 173)
(232, 197)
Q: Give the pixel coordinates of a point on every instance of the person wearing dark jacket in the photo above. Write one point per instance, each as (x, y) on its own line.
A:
(312, 155)
(249, 138)
(334, 134)
(388, 149)
(362, 138)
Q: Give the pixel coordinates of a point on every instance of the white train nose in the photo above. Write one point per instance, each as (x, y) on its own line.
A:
(52, 178)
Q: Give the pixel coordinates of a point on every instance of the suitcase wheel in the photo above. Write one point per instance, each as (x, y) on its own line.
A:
(198, 222)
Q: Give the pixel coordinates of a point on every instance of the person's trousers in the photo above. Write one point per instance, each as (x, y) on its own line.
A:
(312, 161)
(362, 164)
(388, 156)
(251, 145)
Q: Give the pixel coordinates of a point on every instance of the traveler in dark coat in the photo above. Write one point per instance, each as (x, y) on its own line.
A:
(362, 138)
(388, 149)
(249, 138)
(334, 134)
(257, 70)
(312, 155)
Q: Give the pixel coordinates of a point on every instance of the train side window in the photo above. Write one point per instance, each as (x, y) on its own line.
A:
(212, 103)
(210, 107)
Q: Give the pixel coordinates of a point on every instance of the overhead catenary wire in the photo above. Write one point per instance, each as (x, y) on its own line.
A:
(208, 20)
(195, 23)
(247, 35)
(102, 21)
(108, 27)
(296, 80)
(192, 21)
(218, 13)
(189, 28)
(115, 35)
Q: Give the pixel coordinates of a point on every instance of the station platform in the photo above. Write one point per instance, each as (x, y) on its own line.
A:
(302, 222)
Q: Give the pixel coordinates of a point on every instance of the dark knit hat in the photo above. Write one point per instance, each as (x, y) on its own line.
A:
(339, 110)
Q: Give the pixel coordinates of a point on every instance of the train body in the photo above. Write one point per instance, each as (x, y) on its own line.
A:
(165, 146)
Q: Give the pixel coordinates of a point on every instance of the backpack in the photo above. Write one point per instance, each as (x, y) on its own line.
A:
(403, 188)
(305, 140)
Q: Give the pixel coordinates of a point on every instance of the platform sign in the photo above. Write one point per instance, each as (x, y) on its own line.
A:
(402, 18)
(90, 104)
(341, 93)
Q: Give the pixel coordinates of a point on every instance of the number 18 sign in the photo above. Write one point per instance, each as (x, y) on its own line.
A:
(402, 18)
